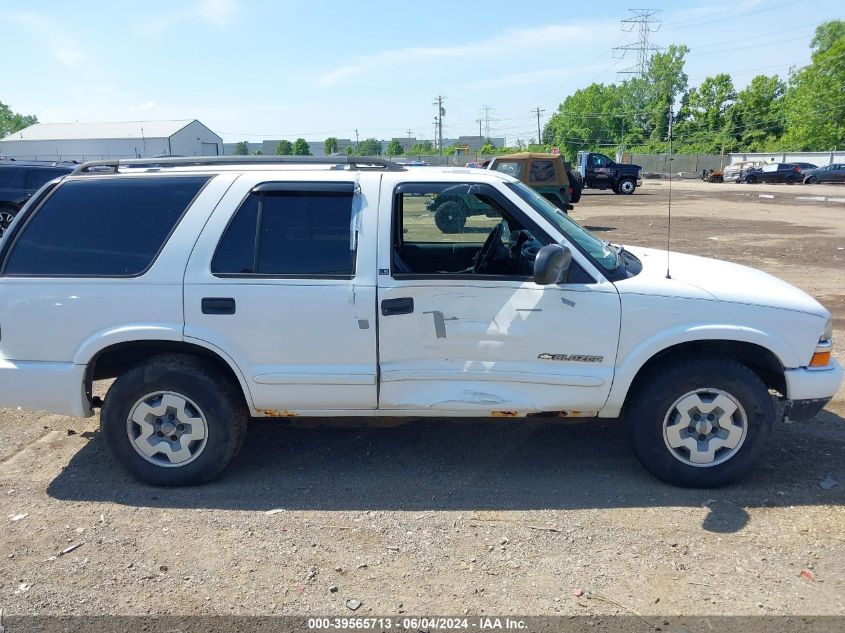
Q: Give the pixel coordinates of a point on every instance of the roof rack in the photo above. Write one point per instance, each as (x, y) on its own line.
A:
(353, 162)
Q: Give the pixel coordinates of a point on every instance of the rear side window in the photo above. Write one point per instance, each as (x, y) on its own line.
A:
(292, 232)
(36, 178)
(7, 175)
(102, 227)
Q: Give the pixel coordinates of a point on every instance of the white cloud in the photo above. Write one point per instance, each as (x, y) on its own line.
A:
(64, 48)
(217, 13)
(508, 44)
(145, 107)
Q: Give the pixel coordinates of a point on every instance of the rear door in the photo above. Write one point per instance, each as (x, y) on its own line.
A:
(282, 281)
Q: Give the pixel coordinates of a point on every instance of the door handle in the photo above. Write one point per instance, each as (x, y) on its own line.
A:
(404, 305)
(218, 305)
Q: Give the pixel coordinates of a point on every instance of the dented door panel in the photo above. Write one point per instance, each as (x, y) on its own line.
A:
(498, 346)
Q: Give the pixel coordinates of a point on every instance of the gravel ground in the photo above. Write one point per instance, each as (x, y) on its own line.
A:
(478, 517)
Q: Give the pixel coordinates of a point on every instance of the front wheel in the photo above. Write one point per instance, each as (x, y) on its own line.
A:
(751, 180)
(173, 421)
(702, 423)
(626, 186)
(811, 180)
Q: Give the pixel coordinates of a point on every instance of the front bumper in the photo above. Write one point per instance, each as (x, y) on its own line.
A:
(809, 390)
(812, 384)
(798, 410)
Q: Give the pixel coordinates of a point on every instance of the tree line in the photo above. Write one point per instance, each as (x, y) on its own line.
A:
(805, 111)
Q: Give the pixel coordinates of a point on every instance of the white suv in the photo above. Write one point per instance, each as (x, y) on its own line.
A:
(215, 290)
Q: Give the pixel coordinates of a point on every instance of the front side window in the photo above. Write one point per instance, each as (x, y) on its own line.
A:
(770, 167)
(510, 167)
(290, 230)
(111, 227)
(459, 229)
(602, 252)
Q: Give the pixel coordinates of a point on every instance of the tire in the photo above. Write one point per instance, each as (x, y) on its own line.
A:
(450, 217)
(174, 388)
(627, 186)
(790, 181)
(751, 180)
(811, 180)
(654, 418)
(576, 183)
(7, 214)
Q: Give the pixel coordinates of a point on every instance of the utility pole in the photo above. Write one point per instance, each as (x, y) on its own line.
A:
(440, 112)
(409, 139)
(538, 112)
(645, 23)
(436, 123)
(356, 140)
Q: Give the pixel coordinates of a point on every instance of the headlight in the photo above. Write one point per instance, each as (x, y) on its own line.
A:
(828, 330)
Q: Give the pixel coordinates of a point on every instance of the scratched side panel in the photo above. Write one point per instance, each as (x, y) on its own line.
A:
(478, 347)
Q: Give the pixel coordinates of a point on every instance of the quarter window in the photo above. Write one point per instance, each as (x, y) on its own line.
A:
(282, 229)
(102, 226)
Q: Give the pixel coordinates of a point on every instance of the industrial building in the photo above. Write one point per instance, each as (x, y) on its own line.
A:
(95, 141)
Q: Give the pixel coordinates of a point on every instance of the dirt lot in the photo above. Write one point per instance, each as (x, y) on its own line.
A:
(502, 517)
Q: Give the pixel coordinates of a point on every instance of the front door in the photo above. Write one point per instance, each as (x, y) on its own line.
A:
(288, 291)
(464, 330)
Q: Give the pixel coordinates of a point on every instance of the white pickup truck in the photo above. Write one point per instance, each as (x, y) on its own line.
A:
(215, 290)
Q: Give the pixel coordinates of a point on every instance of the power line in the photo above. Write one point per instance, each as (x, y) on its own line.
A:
(645, 23)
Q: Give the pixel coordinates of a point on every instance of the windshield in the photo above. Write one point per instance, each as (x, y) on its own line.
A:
(602, 252)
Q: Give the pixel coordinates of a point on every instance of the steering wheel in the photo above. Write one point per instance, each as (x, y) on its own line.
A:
(492, 246)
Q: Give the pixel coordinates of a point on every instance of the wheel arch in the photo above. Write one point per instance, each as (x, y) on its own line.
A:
(112, 360)
(759, 359)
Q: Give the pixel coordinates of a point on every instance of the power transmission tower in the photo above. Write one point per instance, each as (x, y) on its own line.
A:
(441, 111)
(645, 23)
(538, 112)
(487, 111)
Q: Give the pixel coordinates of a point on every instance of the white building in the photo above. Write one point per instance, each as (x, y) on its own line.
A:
(95, 141)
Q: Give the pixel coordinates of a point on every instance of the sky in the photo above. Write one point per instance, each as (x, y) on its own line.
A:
(253, 69)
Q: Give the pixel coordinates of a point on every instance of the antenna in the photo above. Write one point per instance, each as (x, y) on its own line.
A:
(669, 224)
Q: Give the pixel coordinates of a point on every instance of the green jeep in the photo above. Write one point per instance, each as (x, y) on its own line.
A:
(545, 173)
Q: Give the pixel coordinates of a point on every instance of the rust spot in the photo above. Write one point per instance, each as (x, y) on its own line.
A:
(278, 413)
(504, 414)
(562, 414)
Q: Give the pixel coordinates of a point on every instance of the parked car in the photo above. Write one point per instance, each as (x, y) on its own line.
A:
(161, 275)
(804, 167)
(597, 171)
(735, 172)
(831, 173)
(19, 180)
(775, 172)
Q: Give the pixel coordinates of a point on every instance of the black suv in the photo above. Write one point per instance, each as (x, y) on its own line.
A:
(19, 180)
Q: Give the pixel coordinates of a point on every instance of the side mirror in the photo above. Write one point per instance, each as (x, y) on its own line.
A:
(551, 264)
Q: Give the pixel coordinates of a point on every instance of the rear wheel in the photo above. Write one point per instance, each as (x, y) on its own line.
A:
(7, 214)
(450, 217)
(576, 185)
(702, 423)
(173, 421)
(626, 186)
